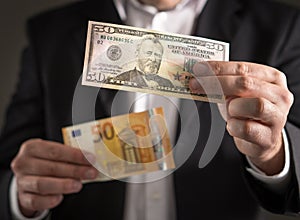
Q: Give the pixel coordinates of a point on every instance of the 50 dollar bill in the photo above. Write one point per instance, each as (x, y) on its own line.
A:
(139, 60)
(124, 145)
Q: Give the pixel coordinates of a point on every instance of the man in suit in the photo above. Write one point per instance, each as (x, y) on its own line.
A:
(259, 155)
(149, 55)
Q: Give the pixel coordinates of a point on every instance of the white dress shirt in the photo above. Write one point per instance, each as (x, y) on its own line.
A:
(156, 200)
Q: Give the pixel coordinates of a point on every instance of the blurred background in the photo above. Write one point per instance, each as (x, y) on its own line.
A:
(13, 16)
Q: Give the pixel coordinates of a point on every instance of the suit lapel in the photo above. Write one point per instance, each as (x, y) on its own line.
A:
(220, 22)
(102, 11)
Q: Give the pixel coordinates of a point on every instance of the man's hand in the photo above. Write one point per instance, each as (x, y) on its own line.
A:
(45, 171)
(257, 105)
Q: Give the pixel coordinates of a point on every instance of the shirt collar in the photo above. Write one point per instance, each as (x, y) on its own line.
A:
(152, 10)
(120, 5)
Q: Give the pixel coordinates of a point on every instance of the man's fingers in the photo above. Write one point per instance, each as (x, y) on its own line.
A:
(37, 202)
(55, 151)
(240, 86)
(257, 104)
(244, 86)
(255, 108)
(42, 167)
(262, 72)
(48, 185)
(254, 139)
(254, 132)
(242, 79)
(248, 148)
(206, 85)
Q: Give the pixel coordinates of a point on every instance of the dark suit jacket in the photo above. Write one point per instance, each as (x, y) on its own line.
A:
(257, 30)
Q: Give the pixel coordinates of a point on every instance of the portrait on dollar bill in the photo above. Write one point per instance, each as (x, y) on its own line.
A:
(149, 53)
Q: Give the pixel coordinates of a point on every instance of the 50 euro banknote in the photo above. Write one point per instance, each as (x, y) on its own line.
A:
(124, 145)
(140, 60)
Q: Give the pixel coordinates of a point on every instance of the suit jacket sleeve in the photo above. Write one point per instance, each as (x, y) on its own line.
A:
(24, 120)
(286, 56)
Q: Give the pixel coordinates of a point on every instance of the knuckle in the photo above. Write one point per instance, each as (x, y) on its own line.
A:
(260, 107)
(281, 119)
(52, 169)
(217, 68)
(278, 120)
(20, 183)
(276, 73)
(281, 77)
(38, 202)
(17, 165)
(242, 68)
(289, 98)
(75, 155)
(249, 131)
(24, 147)
(37, 186)
(28, 146)
(53, 153)
(244, 83)
(76, 172)
(31, 202)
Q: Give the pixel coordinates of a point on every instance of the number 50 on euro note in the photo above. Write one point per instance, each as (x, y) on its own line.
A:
(124, 145)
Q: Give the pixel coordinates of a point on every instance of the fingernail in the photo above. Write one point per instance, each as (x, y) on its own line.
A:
(90, 174)
(57, 199)
(76, 186)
